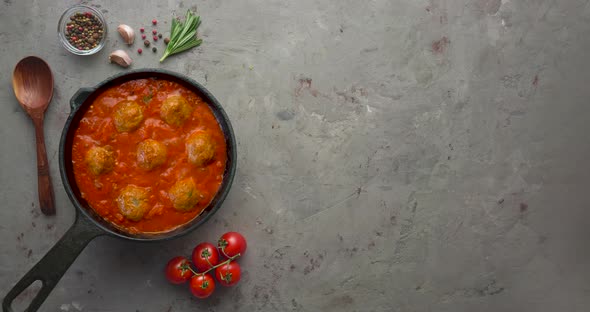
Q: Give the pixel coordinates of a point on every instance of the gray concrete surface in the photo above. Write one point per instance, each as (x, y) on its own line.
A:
(393, 155)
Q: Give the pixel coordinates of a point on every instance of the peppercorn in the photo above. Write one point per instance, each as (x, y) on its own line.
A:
(166, 40)
(143, 36)
(146, 43)
(142, 29)
(160, 35)
(154, 31)
(155, 38)
(139, 50)
(154, 21)
(154, 49)
(84, 31)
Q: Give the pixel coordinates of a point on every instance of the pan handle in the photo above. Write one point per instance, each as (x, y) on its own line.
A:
(79, 97)
(54, 264)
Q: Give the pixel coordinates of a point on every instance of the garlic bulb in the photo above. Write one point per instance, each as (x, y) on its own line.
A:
(121, 58)
(127, 33)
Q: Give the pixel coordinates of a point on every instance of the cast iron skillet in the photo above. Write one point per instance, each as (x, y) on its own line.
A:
(88, 224)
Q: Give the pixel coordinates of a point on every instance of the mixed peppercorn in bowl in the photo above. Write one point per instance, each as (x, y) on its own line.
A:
(82, 30)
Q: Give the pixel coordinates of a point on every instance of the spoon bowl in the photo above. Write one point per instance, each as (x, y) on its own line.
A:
(32, 82)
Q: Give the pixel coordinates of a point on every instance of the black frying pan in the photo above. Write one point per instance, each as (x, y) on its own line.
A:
(88, 224)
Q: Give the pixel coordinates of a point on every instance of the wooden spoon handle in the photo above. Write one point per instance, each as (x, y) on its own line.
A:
(44, 185)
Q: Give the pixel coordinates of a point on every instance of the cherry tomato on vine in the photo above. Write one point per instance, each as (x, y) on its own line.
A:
(228, 274)
(205, 256)
(178, 270)
(231, 244)
(202, 286)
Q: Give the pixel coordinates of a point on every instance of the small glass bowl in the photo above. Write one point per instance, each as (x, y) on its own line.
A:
(65, 18)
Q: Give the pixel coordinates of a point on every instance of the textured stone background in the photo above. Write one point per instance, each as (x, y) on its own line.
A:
(394, 155)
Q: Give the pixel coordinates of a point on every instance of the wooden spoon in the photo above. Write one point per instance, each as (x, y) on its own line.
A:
(32, 82)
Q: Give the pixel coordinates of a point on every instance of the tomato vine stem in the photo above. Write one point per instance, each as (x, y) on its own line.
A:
(230, 259)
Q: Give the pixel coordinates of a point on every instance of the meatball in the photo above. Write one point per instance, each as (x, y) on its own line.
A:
(184, 195)
(133, 202)
(100, 160)
(128, 116)
(150, 154)
(175, 110)
(200, 148)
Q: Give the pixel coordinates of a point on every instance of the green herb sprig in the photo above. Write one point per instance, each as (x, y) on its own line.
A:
(183, 35)
(147, 98)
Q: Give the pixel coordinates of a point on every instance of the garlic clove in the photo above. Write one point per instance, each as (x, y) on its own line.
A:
(127, 33)
(121, 58)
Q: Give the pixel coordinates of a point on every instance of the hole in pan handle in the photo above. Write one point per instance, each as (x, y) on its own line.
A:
(54, 264)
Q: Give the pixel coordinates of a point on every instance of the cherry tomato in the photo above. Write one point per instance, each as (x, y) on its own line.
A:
(205, 256)
(202, 286)
(228, 274)
(177, 270)
(231, 244)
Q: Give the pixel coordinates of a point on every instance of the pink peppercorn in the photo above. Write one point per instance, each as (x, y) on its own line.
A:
(155, 38)
(142, 29)
(142, 36)
(80, 28)
(154, 31)
(154, 21)
(139, 50)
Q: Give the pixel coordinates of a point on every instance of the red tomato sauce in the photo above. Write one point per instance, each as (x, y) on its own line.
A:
(97, 129)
